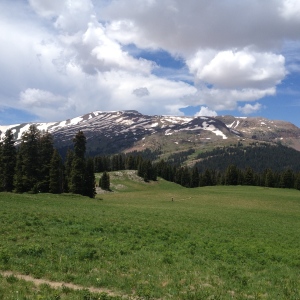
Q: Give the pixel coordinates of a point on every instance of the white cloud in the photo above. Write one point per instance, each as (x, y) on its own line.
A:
(226, 99)
(205, 111)
(238, 69)
(290, 9)
(187, 27)
(248, 109)
(67, 57)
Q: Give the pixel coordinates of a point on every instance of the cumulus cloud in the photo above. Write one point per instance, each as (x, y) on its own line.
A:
(238, 69)
(62, 58)
(248, 109)
(205, 111)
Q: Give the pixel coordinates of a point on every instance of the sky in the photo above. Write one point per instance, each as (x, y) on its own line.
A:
(63, 58)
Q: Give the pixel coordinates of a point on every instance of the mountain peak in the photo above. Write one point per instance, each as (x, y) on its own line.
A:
(116, 131)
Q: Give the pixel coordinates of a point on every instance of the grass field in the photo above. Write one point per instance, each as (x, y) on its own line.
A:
(225, 242)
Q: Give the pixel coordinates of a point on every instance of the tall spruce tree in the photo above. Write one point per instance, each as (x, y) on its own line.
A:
(68, 170)
(27, 169)
(231, 175)
(78, 164)
(195, 178)
(90, 189)
(46, 149)
(8, 161)
(104, 181)
(56, 174)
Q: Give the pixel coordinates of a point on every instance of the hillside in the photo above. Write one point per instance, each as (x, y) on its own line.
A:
(125, 131)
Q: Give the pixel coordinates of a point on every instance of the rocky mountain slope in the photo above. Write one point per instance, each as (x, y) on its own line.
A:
(113, 132)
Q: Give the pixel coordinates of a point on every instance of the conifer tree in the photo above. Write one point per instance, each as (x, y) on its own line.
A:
(28, 160)
(104, 181)
(78, 164)
(185, 177)
(249, 177)
(55, 174)
(269, 178)
(90, 189)
(231, 176)
(46, 149)
(68, 171)
(19, 183)
(8, 161)
(297, 182)
(195, 178)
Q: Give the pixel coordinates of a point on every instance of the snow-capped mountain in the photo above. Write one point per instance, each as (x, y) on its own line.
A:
(116, 131)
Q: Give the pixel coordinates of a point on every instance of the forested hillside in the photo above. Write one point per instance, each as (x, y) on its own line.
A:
(35, 166)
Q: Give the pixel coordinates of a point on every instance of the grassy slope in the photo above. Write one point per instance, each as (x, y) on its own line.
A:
(213, 241)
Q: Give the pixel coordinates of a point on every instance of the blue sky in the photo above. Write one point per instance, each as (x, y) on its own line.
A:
(60, 59)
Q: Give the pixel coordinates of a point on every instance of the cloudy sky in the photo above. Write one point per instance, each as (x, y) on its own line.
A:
(63, 58)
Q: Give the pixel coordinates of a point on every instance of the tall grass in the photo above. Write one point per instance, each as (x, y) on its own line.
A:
(209, 243)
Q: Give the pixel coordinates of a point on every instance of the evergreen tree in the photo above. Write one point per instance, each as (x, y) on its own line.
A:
(90, 189)
(79, 144)
(104, 181)
(269, 178)
(207, 178)
(231, 176)
(287, 179)
(297, 182)
(56, 174)
(78, 164)
(185, 177)
(249, 177)
(129, 163)
(46, 149)
(77, 176)
(195, 177)
(30, 162)
(8, 161)
(68, 171)
(19, 183)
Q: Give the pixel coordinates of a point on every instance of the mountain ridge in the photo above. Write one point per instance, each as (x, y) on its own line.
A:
(122, 131)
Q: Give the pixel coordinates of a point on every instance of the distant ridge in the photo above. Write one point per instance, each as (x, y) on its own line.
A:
(116, 131)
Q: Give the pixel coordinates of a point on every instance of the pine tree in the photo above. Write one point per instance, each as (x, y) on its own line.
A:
(269, 178)
(249, 177)
(19, 182)
(79, 144)
(45, 155)
(297, 182)
(104, 181)
(207, 178)
(55, 174)
(29, 164)
(77, 176)
(185, 177)
(68, 171)
(78, 164)
(90, 189)
(195, 178)
(8, 161)
(231, 176)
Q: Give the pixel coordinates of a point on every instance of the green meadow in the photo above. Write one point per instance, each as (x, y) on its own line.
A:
(223, 242)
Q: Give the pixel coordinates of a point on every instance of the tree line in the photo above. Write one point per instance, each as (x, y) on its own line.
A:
(258, 156)
(35, 166)
(193, 177)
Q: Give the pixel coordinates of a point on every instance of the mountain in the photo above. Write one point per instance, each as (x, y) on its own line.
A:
(117, 131)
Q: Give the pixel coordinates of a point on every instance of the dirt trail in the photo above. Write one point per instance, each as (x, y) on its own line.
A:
(55, 284)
